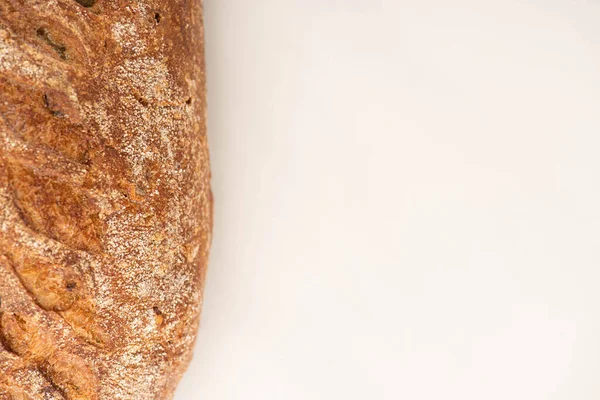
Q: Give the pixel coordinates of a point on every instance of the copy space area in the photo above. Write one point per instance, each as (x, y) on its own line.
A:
(407, 201)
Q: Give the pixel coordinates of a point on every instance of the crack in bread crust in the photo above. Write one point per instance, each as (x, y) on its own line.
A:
(105, 202)
(67, 372)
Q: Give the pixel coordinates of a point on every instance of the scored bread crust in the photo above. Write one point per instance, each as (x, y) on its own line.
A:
(105, 201)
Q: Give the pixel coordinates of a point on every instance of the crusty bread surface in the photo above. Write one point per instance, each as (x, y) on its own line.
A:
(105, 202)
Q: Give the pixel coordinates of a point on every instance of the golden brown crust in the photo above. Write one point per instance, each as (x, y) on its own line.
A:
(105, 204)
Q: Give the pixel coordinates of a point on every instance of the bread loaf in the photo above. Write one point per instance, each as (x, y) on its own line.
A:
(105, 203)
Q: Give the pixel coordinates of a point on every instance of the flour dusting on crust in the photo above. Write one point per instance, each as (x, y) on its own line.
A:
(105, 204)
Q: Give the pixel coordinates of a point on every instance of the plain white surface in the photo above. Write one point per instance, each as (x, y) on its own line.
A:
(407, 201)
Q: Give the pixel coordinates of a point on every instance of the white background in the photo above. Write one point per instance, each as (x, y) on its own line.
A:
(407, 201)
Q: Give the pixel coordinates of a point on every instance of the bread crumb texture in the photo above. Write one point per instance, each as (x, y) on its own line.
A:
(105, 203)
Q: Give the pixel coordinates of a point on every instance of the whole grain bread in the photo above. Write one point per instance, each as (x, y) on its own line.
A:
(105, 203)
